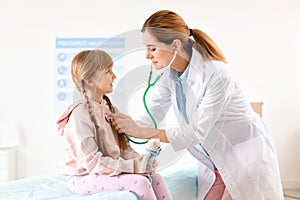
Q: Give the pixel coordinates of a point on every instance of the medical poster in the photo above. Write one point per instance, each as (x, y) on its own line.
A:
(66, 49)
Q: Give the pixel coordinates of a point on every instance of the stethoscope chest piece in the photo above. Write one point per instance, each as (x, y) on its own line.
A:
(108, 118)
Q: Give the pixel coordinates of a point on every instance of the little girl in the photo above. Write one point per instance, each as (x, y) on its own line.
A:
(97, 158)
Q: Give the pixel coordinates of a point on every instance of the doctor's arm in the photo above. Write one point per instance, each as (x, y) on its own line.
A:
(125, 124)
(159, 105)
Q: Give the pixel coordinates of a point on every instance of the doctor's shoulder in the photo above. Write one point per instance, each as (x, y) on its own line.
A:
(217, 68)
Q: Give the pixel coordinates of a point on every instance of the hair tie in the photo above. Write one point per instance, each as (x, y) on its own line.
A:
(191, 32)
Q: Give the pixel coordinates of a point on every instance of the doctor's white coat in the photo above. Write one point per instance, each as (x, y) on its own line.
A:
(222, 120)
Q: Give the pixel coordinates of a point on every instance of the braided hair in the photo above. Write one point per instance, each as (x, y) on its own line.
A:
(84, 65)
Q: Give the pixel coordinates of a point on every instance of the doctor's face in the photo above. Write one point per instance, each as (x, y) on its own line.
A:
(159, 53)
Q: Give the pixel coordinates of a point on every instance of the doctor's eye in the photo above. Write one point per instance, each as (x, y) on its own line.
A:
(152, 49)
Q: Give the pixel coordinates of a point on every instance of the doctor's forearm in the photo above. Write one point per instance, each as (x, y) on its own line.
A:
(149, 133)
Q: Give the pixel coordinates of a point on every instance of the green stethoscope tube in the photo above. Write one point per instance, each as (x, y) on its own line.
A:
(145, 105)
(144, 96)
(135, 142)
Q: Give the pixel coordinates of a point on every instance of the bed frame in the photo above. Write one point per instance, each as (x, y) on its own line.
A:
(257, 107)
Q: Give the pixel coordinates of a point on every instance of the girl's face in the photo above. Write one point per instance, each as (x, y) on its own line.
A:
(105, 81)
(159, 53)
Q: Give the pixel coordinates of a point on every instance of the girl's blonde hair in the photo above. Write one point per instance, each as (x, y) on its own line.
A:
(166, 26)
(84, 66)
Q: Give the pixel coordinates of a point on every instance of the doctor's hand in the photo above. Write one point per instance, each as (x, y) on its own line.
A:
(125, 124)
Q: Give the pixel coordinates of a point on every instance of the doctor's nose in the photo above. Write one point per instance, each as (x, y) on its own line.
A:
(148, 55)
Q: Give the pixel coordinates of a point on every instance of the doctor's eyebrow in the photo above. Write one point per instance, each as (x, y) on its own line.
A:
(150, 45)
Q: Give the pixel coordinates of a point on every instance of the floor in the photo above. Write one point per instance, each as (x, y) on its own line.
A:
(291, 194)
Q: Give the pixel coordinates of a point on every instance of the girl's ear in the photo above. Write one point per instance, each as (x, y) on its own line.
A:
(89, 82)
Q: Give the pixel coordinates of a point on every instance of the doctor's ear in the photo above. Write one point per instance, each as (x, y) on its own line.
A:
(176, 44)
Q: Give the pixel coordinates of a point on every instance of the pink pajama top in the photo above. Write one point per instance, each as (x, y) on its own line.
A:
(83, 155)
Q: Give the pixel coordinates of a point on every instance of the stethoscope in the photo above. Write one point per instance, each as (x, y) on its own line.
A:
(149, 85)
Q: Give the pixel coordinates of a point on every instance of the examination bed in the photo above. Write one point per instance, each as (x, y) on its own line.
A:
(181, 181)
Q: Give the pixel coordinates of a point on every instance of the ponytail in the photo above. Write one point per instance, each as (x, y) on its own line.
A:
(206, 46)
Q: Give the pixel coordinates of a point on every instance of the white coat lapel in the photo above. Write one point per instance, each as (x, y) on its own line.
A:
(194, 82)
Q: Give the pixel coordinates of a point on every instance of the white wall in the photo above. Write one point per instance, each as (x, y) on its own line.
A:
(260, 38)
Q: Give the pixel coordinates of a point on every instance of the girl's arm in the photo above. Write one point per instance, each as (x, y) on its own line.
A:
(80, 135)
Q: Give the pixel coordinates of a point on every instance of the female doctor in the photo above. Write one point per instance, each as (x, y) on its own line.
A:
(218, 126)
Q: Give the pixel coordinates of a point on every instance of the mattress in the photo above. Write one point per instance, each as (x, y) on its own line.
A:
(182, 184)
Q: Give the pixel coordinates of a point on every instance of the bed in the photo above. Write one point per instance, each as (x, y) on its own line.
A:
(180, 175)
(54, 186)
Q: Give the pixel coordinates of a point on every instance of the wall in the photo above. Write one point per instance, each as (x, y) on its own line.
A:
(260, 38)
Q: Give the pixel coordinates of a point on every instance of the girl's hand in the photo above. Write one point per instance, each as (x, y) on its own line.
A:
(146, 174)
(153, 167)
